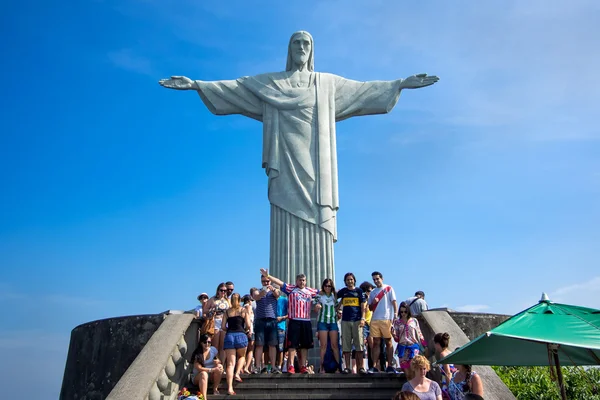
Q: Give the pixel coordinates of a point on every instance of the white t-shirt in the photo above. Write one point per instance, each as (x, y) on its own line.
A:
(385, 309)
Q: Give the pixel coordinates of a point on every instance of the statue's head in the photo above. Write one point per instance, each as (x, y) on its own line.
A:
(301, 52)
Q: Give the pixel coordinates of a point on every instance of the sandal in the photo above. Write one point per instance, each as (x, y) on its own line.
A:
(216, 391)
(237, 378)
(231, 393)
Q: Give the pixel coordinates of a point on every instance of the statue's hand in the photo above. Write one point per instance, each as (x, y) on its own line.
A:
(419, 81)
(179, 83)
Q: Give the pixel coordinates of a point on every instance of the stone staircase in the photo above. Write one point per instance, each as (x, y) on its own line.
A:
(316, 386)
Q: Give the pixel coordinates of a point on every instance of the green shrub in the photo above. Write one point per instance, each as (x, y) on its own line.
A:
(535, 383)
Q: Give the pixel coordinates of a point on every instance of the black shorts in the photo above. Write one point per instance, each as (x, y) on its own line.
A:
(299, 335)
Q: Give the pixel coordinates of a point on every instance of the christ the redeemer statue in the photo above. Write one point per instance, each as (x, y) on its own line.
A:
(299, 109)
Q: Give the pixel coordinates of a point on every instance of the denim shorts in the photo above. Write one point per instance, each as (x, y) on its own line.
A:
(265, 330)
(235, 340)
(322, 326)
(366, 331)
(281, 340)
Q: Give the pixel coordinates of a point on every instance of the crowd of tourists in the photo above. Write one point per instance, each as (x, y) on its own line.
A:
(269, 331)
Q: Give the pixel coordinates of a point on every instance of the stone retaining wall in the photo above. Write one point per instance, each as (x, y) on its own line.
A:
(101, 351)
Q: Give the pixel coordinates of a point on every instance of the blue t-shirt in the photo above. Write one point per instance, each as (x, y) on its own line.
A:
(282, 309)
(351, 301)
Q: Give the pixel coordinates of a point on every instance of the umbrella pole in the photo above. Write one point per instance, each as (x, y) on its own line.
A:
(559, 375)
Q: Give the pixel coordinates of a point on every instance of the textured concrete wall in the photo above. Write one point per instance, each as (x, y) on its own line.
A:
(101, 351)
(474, 324)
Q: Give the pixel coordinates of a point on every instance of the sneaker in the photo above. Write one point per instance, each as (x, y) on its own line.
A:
(373, 370)
(291, 370)
(346, 371)
(303, 370)
(362, 371)
(276, 370)
(390, 370)
(264, 370)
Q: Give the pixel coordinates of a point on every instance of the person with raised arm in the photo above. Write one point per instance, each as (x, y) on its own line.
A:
(265, 325)
(300, 336)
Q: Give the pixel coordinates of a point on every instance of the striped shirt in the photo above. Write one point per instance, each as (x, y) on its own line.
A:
(267, 306)
(299, 301)
(327, 313)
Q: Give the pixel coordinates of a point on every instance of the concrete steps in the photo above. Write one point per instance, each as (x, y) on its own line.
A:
(316, 386)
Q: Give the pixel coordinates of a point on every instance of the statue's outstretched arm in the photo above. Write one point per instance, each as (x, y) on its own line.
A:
(418, 81)
(179, 83)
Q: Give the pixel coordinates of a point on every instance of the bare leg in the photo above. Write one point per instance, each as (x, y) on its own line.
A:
(272, 354)
(375, 351)
(323, 347)
(359, 359)
(202, 381)
(291, 357)
(279, 358)
(302, 357)
(230, 356)
(249, 356)
(389, 348)
(216, 376)
(347, 360)
(241, 356)
(335, 347)
(258, 357)
(221, 342)
(370, 350)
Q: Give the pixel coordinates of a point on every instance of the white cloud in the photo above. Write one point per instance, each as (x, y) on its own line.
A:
(585, 293)
(473, 308)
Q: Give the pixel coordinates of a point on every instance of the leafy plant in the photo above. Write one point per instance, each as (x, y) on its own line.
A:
(535, 383)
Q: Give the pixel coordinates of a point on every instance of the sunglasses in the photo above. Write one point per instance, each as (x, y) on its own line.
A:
(222, 290)
(327, 286)
(403, 312)
(230, 290)
(209, 342)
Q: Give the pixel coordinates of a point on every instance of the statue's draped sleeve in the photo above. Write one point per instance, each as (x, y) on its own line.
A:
(230, 97)
(354, 98)
(277, 102)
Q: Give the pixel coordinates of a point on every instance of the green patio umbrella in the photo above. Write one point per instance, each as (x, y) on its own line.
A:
(547, 333)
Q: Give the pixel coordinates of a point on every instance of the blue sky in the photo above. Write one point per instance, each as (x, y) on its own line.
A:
(121, 197)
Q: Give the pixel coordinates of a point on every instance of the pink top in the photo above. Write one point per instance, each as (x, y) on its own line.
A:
(408, 333)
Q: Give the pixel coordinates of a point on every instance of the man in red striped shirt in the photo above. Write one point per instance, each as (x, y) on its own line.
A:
(299, 335)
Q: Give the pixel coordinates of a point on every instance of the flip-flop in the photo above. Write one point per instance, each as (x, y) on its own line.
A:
(216, 391)
(237, 378)
(230, 393)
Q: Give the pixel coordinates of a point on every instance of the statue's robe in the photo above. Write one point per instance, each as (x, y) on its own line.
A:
(299, 156)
